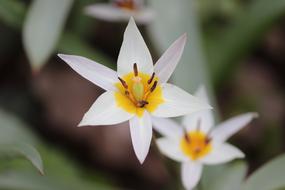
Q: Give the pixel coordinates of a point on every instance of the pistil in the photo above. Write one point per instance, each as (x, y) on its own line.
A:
(138, 89)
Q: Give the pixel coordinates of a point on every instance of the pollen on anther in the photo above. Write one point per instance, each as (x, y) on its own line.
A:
(153, 86)
(136, 72)
(151, 78)
(187, 138)
(208, 140)
(123, 83)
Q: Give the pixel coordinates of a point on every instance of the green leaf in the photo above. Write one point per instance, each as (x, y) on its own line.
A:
(72, 44)
(30, 153)
(15, 139)
(30, 181)
(13, 130)
(42, 29)
(226, 50)
(224, 177)
(268, 177)
(12, 12)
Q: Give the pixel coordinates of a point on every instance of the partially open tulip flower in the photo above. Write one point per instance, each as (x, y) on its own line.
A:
(197, 142)
(121, 10)
(138, 90)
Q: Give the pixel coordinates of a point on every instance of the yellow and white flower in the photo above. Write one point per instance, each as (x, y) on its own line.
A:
(196, 142)
(138, 90)
(121, 10)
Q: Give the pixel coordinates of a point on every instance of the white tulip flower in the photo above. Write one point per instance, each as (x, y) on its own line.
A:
(138, 90)
(121, 10)
(197, 142)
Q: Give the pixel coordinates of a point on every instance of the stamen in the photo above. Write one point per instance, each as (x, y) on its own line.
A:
(208, 140)
(153, 86)
(199, 124)
(197, 150)
(142, 103)
(136, 72)
(186, 136)
(151, 78)
(123, 83)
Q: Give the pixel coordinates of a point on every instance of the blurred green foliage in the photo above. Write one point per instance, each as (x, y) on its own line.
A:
(15, 173)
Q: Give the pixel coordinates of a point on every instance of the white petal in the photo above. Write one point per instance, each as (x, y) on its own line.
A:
(141, 134)
(178, 102)
(105, 111)
(167, 63)
(226, 129)
(204, 117)
(167, 127)
(134, 50)
(222, 153)
(108, 12)
(92, 71)
(144, 16)
(171, 148)
(191, 174)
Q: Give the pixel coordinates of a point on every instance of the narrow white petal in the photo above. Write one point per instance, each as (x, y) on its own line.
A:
(141, 134)
(226, 129)
(167, 63)
(167, 127)
(178, 102)
(191, 174)
(105, 111)
(144, 16)
(107, 12)
(222, 153)
(134, 50)
(92, 71)
(110, 13)
(171, 148)
(204, 118)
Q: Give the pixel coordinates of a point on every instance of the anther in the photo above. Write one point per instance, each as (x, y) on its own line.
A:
(153, 86)
(208, 140)
(136, 72)
(142, 103)
(186, 136)
(151, 78)
(123, 83)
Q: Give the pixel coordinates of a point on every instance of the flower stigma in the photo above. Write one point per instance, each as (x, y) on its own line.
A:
(196, 144)
(138, 91)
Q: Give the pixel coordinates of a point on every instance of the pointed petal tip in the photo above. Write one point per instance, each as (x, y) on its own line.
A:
(132, 19)
(62, 56)
(81, 124)
(141, 160)
(184, 36)
(254, 115)
(242, 155)
(207, 107)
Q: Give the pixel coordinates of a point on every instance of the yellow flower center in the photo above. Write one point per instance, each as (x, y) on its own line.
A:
(196, 144)
(138, 91)
(126, 4)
